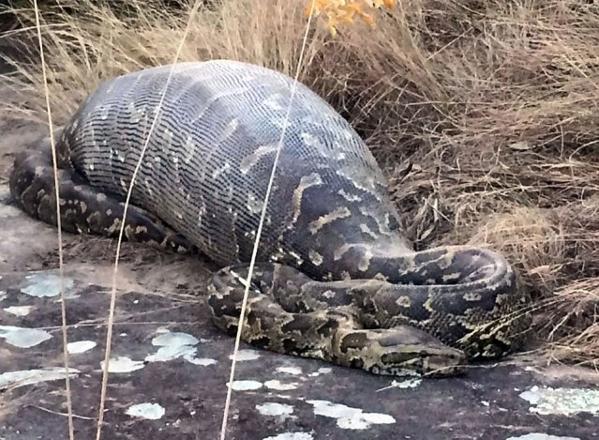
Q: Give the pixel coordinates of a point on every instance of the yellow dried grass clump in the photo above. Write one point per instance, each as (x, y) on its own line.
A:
(531, 241)
(484, 114)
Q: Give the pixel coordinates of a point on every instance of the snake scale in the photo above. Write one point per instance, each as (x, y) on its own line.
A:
(335, 279)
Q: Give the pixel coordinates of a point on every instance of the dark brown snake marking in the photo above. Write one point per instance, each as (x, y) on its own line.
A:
(336, 280)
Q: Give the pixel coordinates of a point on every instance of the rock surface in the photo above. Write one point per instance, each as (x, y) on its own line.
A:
(170, 367)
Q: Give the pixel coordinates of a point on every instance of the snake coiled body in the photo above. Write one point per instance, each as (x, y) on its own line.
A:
(336, 278)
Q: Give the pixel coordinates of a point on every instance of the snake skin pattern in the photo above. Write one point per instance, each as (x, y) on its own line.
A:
(336, 278)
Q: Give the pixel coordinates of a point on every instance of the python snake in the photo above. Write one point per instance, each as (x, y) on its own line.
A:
(336, 278)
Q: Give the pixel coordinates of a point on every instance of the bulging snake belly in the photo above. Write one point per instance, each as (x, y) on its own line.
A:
(336, 278)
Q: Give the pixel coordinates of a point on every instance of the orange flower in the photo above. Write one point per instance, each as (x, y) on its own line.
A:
(338, 12)
(356, 7)
(389, 4)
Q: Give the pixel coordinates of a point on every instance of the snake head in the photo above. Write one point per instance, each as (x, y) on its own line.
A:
(398, 351)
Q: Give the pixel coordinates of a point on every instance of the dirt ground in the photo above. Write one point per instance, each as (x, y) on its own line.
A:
(170, 366)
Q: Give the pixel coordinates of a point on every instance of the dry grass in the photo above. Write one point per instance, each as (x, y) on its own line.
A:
(483, 113)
